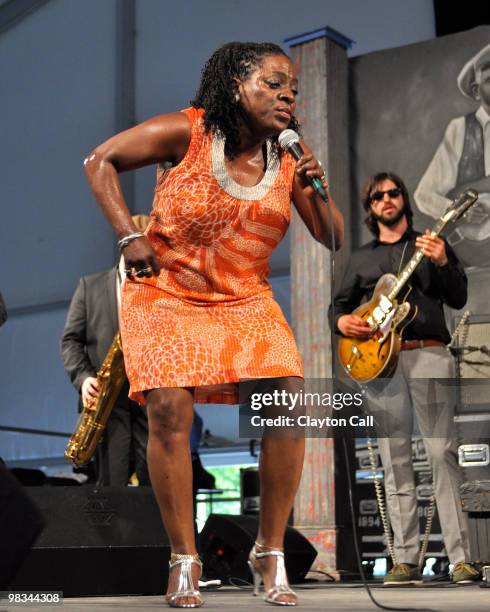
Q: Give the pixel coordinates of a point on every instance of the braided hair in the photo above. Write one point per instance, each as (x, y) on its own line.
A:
(216, 92)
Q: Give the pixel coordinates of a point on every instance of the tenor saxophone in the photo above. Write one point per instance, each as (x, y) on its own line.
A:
(93, 418)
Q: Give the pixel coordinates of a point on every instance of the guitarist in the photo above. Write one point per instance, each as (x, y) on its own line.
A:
(438, 280)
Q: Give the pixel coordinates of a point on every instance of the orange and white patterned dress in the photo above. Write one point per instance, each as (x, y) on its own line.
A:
(209, 319)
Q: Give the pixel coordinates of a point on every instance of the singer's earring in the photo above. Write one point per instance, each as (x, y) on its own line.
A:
(237, 97)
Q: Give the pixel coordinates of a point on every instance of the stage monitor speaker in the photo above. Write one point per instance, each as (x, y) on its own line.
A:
(226, 540)
(20, 524)
(97, 541)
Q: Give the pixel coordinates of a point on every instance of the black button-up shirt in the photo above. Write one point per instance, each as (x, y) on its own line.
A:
(432, 286)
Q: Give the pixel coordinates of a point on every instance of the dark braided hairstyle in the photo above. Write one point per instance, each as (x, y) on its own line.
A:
(216, 93)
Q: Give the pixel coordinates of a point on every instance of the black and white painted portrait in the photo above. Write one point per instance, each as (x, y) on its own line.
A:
(461, 161)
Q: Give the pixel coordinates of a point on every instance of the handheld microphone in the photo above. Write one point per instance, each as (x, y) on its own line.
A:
(289, 141)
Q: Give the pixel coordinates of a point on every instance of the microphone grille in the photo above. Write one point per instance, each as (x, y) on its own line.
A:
(287, 138)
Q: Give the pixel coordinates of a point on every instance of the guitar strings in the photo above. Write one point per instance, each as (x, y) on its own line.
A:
(402, 258)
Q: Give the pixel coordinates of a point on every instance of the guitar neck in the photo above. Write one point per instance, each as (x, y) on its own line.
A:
(414, 261)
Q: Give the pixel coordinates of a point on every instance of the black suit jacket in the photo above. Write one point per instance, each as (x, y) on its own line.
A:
(90, 327)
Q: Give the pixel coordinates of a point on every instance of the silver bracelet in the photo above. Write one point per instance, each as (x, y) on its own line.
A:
(127, 239)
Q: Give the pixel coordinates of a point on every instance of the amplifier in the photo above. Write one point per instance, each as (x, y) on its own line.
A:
(368, 519)
(475, 499)
(472, 411)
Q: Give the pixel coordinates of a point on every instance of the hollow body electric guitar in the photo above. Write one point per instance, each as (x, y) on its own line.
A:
(377, 355)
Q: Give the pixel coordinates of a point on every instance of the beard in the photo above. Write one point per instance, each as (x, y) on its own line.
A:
(389, 220)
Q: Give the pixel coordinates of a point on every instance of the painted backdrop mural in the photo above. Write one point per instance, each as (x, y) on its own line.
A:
(461, 161)
(422, 111)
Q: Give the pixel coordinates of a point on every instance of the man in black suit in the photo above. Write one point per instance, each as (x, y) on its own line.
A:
(91, 325)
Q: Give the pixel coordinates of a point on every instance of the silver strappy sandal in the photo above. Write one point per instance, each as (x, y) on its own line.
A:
(280, 585)
(186, 586)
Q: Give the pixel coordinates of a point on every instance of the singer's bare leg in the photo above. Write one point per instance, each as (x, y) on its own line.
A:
(170, 416)
(281, 464)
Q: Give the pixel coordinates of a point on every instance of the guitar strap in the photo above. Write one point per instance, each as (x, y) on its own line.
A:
(397, 269)
(402, 258)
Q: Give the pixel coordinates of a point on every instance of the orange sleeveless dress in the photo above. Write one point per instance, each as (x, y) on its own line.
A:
(209, 319)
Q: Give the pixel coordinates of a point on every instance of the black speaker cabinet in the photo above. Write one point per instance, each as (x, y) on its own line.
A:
(226, 540)
(475, 500)
(96, 541)
(20, 524)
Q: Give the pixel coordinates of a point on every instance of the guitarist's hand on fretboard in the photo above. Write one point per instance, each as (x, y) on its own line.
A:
(353, 326)
(432, 247)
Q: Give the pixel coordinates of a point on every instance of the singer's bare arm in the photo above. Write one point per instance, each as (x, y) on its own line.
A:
(162, 138)
(311, 208)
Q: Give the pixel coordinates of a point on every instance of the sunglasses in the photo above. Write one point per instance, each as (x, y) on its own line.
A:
(379, 195)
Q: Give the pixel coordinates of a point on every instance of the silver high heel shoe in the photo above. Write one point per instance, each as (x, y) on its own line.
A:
(186, 586)
(280, 585)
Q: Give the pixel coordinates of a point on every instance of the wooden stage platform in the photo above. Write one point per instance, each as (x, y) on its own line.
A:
(344, 597)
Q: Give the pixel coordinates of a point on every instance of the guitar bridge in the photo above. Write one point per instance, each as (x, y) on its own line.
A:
(385, 304)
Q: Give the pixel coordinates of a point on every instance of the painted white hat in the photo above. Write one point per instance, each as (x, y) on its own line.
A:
(466, 77)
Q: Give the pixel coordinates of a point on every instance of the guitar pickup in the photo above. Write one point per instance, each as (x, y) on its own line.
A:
(378, 315)
(385, 304)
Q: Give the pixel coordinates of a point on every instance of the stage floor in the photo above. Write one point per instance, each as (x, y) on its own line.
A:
(326, 597)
